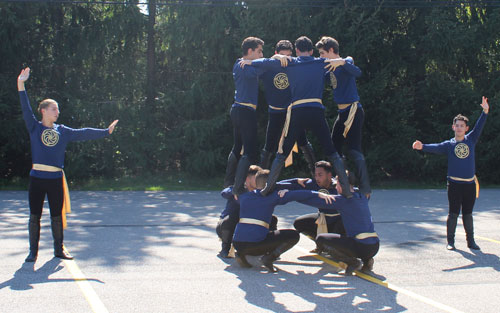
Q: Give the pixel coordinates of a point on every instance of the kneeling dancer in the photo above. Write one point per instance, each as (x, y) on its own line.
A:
(252, 235)
(361, 241)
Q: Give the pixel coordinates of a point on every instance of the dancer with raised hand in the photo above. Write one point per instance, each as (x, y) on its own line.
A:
(463, 186)
(48, 146)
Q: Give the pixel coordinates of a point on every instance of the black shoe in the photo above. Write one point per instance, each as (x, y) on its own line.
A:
(450, 246)
(267, 260)
(242, 261)
(316, 250)
(368, 265)
(63, 254)
(31, 257)
(472, 245)
(352, 265)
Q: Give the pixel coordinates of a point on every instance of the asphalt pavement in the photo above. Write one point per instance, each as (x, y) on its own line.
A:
(157, 252)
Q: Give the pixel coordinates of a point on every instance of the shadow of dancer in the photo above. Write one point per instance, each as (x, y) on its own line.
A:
(478, 259)
(26, 276)
(314, 288)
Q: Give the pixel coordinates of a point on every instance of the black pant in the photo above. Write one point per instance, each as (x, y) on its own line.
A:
(348, 246)
(306, 224)
(273, 240)
(461, 196)
(225, 227)
(53, 188)
(313, 119)
(274, 130)
(245, 132)
(353, 139)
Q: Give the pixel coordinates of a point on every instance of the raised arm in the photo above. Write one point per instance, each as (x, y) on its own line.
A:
(438, 148)
(28, 116)
(478, 128)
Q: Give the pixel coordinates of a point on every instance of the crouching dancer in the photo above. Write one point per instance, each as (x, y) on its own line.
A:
(252, 235)
(48, 145)
(360, 242)
(231, 214)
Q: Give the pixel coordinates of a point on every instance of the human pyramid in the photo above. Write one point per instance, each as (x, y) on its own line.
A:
(343, 225)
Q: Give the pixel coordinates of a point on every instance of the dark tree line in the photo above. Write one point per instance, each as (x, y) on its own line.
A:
(167, 77)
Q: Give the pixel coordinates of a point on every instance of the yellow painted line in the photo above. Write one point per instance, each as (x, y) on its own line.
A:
(89, 293)
(385, 284)
(482, 238)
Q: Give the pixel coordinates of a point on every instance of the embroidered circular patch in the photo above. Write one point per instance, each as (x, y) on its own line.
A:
(462, 150)
(333, 80)
(281, 81)
(325, 191)
(50, 137)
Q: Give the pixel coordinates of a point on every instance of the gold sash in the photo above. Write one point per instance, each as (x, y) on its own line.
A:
(254, 221)
(253, 106)
(322, 226)
(67, 202)
(284, 133)
(350, 117)
(365, 235)
(321, 222)
(468, 180)
(276, 108)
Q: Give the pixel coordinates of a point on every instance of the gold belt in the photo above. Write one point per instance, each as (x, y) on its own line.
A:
(332, 215)
(350, 117)
(284, 133)
(365, 235)
(276, 108)
(253, 106)
(254, 221)
(67, 202)
(468, 180)
(46, 168)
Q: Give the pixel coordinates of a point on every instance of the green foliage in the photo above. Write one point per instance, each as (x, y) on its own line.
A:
(421, 67)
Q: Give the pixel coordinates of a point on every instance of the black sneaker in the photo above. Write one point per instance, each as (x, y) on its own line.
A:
(368, 265)
(353, 265)
(242, 261)
(267, 260)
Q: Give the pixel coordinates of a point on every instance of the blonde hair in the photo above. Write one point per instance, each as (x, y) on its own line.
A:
(45, 103)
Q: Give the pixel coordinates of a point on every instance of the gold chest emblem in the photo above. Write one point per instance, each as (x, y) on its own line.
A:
(281, 81)
(333, 80)
(325, 191)
(462, 150)
(50, 137)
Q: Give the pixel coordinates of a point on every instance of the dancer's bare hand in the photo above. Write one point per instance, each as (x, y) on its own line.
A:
(111, 127)
(302, 181)
(245, 62)
(282, 58)
(334, 63)
(25, 74)
(485, 105)
(328, 198)
(417, 145)
(282, 193)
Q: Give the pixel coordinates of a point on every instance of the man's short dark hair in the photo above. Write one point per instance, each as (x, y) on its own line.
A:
(251, 43)
(303, 44)
(461, 117)
(327, 166)
(253, 170)
(283, 45)
(327, 43)
(261, 178)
